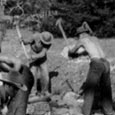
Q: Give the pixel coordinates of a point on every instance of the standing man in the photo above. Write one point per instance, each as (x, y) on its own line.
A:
(99, 71)
(40, 44)
(16, 87)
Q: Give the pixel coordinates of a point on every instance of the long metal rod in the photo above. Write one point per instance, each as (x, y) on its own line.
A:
(20, 37)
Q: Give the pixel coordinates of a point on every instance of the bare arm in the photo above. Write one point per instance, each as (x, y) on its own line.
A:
(39, 55)
(78, 50)
(5, 67)
(27, 41)
(8, 63)
(77, 46)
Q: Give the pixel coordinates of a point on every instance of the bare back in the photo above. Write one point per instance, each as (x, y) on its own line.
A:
(92, 46)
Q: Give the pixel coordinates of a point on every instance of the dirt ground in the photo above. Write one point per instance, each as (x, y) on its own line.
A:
(65, 75)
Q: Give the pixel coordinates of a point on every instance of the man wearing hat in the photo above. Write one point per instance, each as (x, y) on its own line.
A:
(16, 81)
(99, 71)
(40, 43)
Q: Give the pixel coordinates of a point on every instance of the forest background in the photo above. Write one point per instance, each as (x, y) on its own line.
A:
(41, 15)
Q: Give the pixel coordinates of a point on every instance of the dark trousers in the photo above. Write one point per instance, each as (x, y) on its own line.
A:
(18, 104)
(98, 76)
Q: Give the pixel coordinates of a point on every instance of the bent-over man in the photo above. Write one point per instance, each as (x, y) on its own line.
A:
(99, 71)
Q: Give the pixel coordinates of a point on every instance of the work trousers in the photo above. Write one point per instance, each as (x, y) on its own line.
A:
(98, 76)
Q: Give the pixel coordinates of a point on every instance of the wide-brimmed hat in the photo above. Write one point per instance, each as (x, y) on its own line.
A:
(14, 78)
(47, 38)
(84, 28)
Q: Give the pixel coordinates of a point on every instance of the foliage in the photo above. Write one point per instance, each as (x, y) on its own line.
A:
(100, 14)
(48, 24)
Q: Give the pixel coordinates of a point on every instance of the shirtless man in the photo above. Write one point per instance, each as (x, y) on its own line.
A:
(40, 43)
(17, 84)
(99, 71)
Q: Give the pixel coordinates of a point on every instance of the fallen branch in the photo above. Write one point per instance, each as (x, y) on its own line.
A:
(36, 99)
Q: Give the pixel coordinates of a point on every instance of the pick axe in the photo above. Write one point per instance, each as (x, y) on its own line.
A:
(85, 24)
(58, 23)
